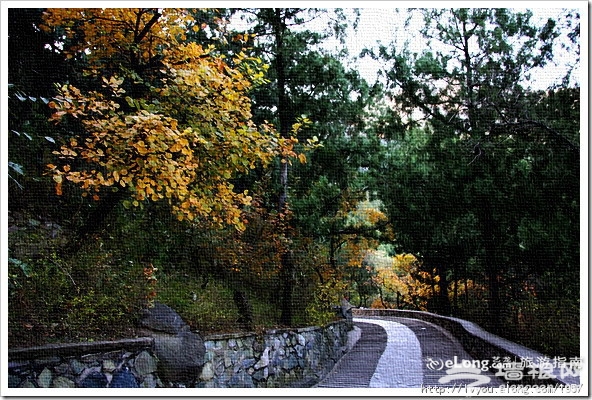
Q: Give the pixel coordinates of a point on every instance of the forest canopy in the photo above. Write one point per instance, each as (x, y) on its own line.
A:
(178, 154)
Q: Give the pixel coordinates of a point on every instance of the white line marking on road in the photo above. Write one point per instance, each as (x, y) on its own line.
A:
(400, 364)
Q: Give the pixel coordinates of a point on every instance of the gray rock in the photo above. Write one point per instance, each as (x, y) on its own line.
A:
(227, 360)
(62, 368)
(149, 381)
(207, 372)
(13, 381)
(123, 379)
(91, 360)
(248, 362)
(301, 340)
(44, 378)
(301, 363)
(76, 366)
(145, 363)
(162, 318)
(264, 360)
(27, 384)
(62, 382)
(277, 343)
(179, 356)
(260, 375)
(109, 377)
(219, 367)
(95, 379)
(87, 372)
(290, 363)
(299, 350)
(109, 365)
(241, 380)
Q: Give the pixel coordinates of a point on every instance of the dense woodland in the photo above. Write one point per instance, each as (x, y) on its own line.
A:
(253, 179)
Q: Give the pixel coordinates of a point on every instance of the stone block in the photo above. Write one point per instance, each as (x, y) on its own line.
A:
(13, 381)
(300, 339)
(44, 378)
(144, 363)
(27, 383)
(109, 365)
(95, 379)
(123, 379)
(264, 360)
(248, 362)
(62, 369)
(207, 372)
(62, 382)
(149, 381)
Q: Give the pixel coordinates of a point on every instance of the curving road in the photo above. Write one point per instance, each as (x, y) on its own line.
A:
(395, 352)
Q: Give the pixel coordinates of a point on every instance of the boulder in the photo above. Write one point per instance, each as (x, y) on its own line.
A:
(346, 309)
(162, 318)
(180, 352)
(145, 364)
(180, 357)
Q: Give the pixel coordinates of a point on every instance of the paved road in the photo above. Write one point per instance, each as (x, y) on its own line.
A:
(395, 352)
(357, 366)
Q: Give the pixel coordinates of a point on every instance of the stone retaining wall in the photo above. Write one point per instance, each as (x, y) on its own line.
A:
(281, 358)
(123, 363)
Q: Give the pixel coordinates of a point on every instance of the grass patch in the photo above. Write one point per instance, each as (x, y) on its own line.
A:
(213, 310)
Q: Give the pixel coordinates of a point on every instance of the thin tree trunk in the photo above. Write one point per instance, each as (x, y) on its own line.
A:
(466, 292)
(284, 125)
(444, 301)
(455, 295)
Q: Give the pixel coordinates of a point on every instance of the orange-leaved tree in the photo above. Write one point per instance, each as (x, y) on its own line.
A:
(169, 119)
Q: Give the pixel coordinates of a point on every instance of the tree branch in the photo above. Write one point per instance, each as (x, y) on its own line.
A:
(538, 124)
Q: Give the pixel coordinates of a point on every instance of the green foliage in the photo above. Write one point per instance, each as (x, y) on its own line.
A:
(473, 193)
(213, 310)
(321, 309)
(465, 177)
(90, 297)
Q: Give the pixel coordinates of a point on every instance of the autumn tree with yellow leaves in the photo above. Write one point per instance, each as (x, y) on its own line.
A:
(171, 120)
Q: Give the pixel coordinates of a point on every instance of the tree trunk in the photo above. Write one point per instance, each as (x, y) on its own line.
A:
(288, 281)
(491, 268)
(443, 300)
(288, 272)
(455, 294)
(466, 292)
